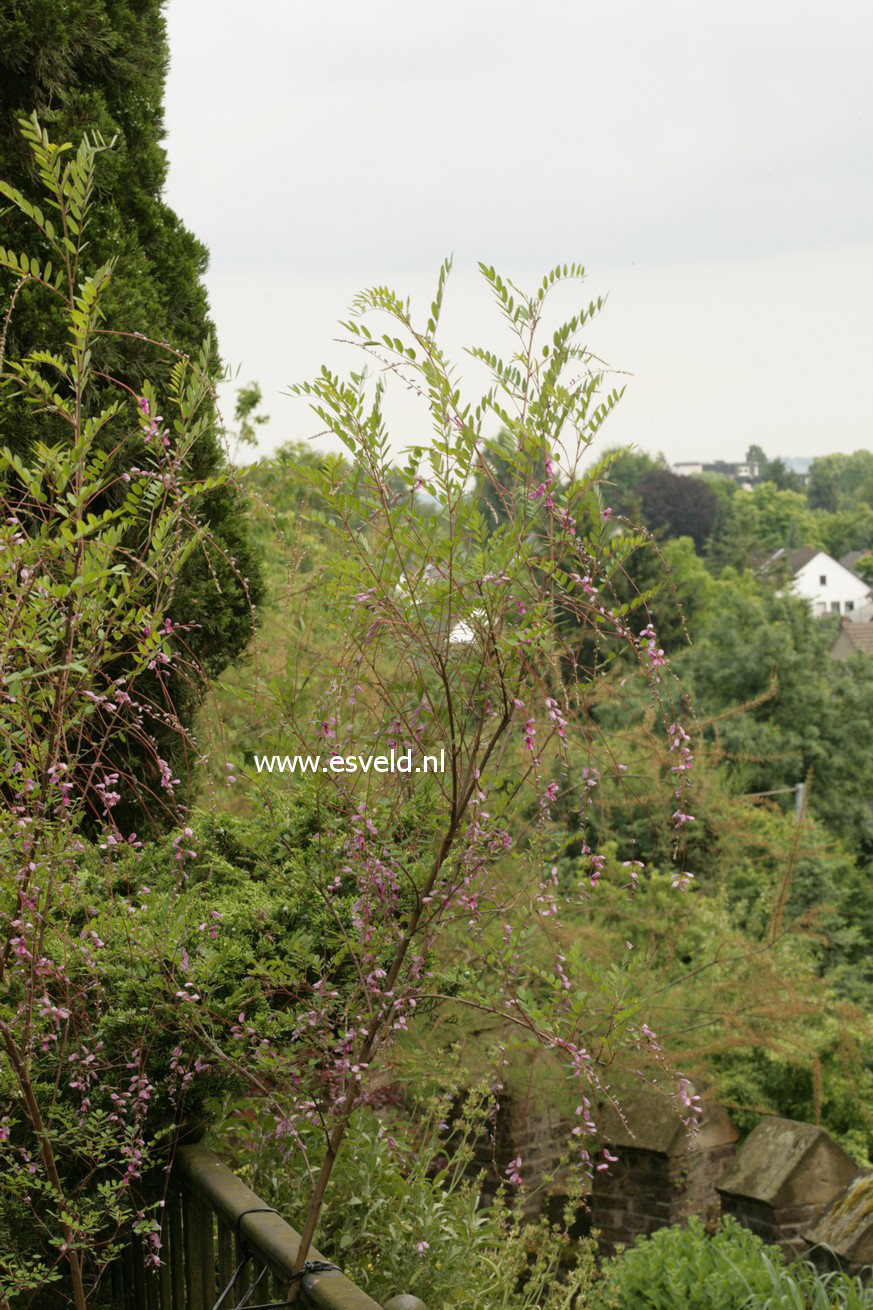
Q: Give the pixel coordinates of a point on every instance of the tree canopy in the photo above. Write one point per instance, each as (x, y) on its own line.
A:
(684, 507)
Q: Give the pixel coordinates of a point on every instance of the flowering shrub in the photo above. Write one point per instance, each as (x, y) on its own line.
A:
(91, 649)
(467, 584)
(410, 1215)
(128, 1000)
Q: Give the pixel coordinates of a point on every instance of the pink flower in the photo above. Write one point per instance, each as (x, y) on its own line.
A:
(652, 649)
(549, 795)
(555, 715)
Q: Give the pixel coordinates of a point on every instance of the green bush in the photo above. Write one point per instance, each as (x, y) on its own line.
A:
(685, 1266)
(730, 1269)
(405, 1215)
(165, 951)
(73, 62)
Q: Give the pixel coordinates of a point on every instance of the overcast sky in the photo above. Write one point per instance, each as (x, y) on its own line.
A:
(710, 164)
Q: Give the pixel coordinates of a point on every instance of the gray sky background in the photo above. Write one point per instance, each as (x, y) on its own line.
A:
(710, 164)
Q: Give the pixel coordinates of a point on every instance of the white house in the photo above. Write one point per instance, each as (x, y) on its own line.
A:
(829, 586)
(745, 474)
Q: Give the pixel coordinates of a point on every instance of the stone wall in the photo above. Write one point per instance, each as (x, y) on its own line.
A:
(541, 1134)
(662, 1175)
(842, 1237)
(789, 1182)
(784, 1176)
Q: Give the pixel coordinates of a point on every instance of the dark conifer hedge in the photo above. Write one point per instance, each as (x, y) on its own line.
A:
(99, 66)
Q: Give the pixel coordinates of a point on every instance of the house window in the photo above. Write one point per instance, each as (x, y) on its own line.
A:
(821, 607)
(850, 605)
(823, 580)
(835, 607)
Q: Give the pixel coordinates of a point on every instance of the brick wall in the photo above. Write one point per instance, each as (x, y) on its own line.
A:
(780, 1183)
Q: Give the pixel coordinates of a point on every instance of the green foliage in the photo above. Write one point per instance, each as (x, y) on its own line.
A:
(678, 506)
(103, 545)
(457, 625)
(839, 482)
(847, 530)
(759, 522)
(864, 568)
(677, 586)
(246, 417)
(100, 65)
(774, 470)
(757, 981)
(218, 921)
(684, 1266)
(834, 511)
(92, 551)
(769, 653)
(404, 1213)
(103, 66)
(627, 469)
(731, 1269)
(472, 599)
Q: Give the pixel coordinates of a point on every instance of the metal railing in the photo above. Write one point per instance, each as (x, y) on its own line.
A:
(214, 1227)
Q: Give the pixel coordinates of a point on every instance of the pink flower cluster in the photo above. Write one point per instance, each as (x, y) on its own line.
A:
(653, 651)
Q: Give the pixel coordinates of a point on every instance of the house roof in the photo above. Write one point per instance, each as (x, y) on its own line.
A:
(860, 635)
(797, 558)
(792, 560)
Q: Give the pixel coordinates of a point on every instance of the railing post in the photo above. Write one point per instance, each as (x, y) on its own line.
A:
(177, 1252)
(129, 1301)
(165, 1275)
(192, 1236)
(226, 1263)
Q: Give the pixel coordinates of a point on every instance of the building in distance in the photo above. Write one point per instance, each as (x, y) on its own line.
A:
(746, 473)
(828, 585)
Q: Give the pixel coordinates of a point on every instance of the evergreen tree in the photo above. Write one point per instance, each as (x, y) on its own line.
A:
(98, 67)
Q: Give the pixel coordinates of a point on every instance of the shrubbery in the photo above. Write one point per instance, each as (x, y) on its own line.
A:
(730, 1269)
(404, 1213)
(183, 969)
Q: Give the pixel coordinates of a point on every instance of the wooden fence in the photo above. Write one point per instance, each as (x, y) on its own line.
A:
(213, 1227)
